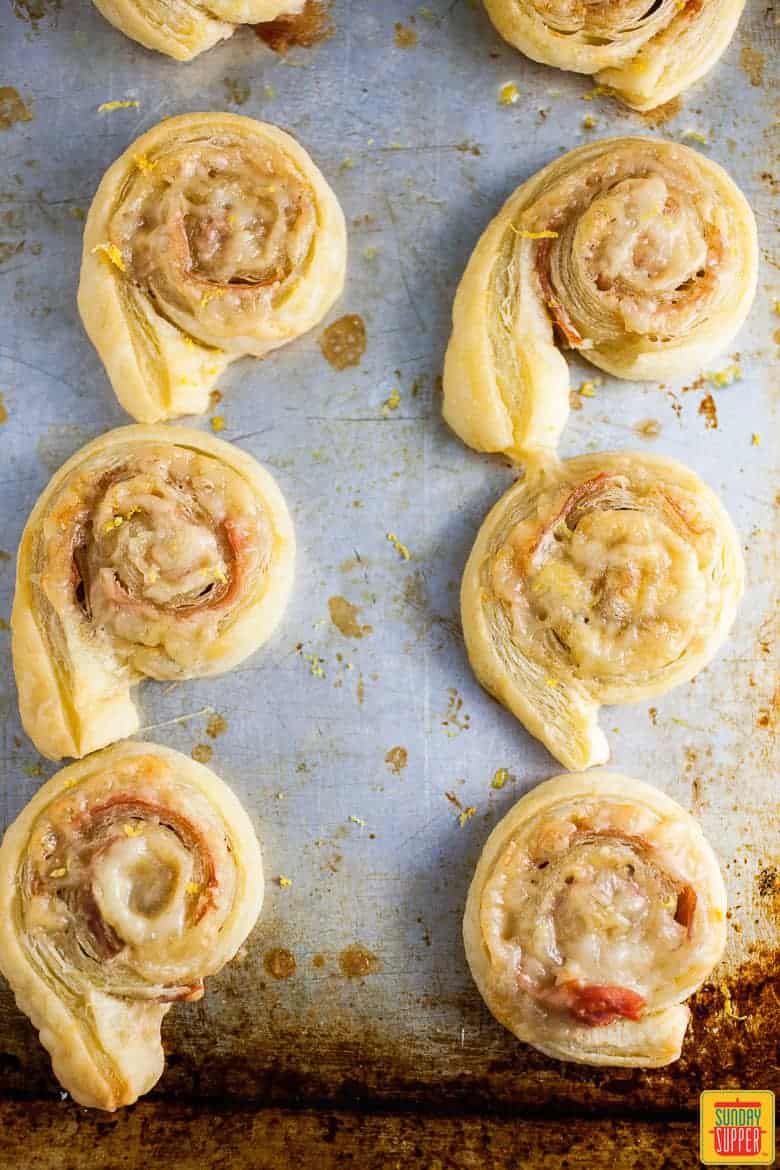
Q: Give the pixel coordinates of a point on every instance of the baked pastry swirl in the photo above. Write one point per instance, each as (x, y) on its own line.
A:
(639, 254)
(155, 551)
(645, 53)
(608, 578)
(127, 880)
(212, 237)
(596, 909)
(184, 28)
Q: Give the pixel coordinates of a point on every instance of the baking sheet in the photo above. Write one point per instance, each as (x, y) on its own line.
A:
(421, 154)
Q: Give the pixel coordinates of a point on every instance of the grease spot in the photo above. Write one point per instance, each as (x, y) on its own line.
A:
(648, 429)
(217, 725)
(202, 753)
(279, 963)
(12, 108)
(344, 616)
(753, 64)
(3, 410)
(236, 91)
(344, 342)
(397, 759)
(32, 12)
(356, 962)
(405, 37)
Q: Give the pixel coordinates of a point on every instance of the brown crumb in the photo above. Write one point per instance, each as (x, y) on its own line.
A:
(709, 411)
(202, 752)
(661, 114)
(405, 37)
(307, 29)
(650, 428)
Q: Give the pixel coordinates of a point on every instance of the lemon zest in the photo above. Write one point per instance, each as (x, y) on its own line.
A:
(112, 253)
(125, 104)
(400, 548)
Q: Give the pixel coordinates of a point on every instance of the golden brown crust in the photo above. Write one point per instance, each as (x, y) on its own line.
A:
(127, 879)
(607, 578)
(155, 551)
(640, 254)
(212, 237)
(571, 926)
(645, 55)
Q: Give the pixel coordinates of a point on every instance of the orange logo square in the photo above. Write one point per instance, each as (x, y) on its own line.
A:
(737, 1127)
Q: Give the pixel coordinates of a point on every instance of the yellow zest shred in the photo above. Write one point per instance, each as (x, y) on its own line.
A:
(500, 778)
(211, 295)
(587, 389)
(112, 253)
(508, 94)
(724, 377)
(131, 830)
(467, 814)
(56, 873)
(116, 522)
(284, 882)
(126, 104)
(400, 548)
(588, 122)
(755, 439)
(143, 163)
(357, 821)
(526, 235)
(695, 136)
(315, 665)
(218, 423)
(391, 403)
(599, 91)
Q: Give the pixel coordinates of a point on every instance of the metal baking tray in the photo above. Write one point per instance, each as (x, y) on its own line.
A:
(357, 756)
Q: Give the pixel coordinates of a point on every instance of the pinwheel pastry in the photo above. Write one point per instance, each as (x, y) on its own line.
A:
(185, 28)
(639, 254)
(608, 578)
(155, 551)
(213, 236)
(645, 53)
(126, 881)
(596, 909)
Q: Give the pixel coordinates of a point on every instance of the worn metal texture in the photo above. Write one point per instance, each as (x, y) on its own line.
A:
(356, 755)
(183, 1137)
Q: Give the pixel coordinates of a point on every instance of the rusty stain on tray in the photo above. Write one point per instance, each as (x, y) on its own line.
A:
(12, 108)
(397, 759)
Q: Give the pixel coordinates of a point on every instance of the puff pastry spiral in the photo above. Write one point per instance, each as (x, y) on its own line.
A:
(607, 578)
(155, 551)
(639, 254)
(645, 53)
(184, 28)
(129, 878)
(212, 237)
(596, 909)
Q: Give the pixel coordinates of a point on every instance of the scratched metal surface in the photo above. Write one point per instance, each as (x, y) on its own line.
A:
(421, 155)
